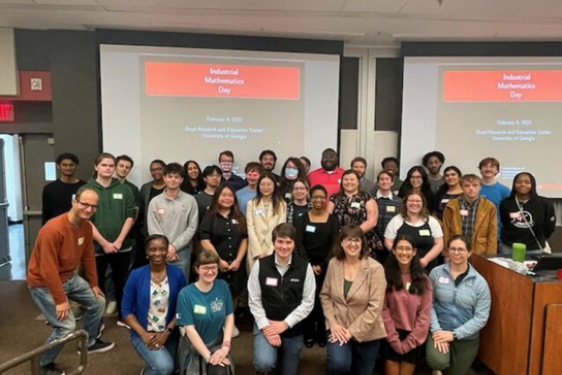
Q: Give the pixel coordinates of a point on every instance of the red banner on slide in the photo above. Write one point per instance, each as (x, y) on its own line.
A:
(502, 86)
(222, 81)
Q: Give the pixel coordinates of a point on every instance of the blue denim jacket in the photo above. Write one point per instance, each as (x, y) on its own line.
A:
(464, 309)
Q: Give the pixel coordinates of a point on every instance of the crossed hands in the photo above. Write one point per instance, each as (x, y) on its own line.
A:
(339, 334)
(441, 340)
(273, 331)
(220, 357)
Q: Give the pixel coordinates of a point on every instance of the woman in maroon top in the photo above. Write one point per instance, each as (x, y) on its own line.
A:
(407, 309)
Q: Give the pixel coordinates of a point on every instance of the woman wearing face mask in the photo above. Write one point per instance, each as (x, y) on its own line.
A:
(415, 221)
(451, 189)
(407, 309)
(193, 182)
(388, 204)
(418, 182)
(526, 217)
(299, 203)
(224, 232)
(353, 206)
(291, 171)
(149, 308)
(317, 233)
(263, 214)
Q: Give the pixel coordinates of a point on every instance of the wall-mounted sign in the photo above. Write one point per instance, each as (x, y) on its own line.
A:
(6, 113)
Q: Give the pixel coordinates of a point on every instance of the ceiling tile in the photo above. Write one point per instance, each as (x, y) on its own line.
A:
(375, 6)
(16, 2)
(315, 5)
(190, 4)
(66, 2)
(433, 8)
(252, 4)
(127, 2)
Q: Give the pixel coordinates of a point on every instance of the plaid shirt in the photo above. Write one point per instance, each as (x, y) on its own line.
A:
(468, 220)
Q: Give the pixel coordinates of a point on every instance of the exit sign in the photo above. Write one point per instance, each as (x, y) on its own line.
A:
(6, 113)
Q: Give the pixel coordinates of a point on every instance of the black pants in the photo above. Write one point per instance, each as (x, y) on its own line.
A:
(314, 325)
(120, 267)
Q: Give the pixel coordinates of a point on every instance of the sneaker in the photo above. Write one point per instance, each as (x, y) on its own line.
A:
(50, 369)
(102, 327)
(235, 332)
(100, 347)
(111, 308)
(121, 323)
(142, 371)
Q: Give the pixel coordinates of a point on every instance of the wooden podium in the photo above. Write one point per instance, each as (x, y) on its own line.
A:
(524, 333)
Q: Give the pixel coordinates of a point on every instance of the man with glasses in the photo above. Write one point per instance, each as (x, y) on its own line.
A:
(226, 163)
(281, 290)
(62, 245)
(58, 195)
(174, 215)
(473, 216)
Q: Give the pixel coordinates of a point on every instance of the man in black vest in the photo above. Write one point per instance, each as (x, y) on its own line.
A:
(281, 294)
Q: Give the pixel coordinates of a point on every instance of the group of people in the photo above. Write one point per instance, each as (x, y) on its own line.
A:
(328, 257)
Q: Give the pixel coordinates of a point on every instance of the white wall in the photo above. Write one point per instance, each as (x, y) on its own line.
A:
(8, 73)
(13, 177)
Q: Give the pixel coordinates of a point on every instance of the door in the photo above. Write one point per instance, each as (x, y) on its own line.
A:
(4, 241)
(38, 169)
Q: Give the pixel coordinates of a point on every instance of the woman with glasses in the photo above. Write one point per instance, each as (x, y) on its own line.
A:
(418, 182)
(317, 233)
(353, 206)
(149, 308)
(263, 214)
(299, 201)
(461, 306)
(206, 318)
(414, 221)
(451, 189)
(224, 232)
(352, 299)
(526, 217)
(407, 309)
(193, 182)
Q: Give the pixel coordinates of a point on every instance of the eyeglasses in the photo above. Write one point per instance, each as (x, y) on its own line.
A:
(87, 205)
(458, 250)
(208, 269)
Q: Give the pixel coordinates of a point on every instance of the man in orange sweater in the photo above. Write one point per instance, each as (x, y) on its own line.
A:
(62, 244)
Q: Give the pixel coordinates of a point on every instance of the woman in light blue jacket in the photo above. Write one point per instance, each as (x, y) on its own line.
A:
(461, 307)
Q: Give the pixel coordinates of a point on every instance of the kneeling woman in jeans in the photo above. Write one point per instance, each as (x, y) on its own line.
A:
(204, 309)
(461, 306)
(149, 308)
(352, 298)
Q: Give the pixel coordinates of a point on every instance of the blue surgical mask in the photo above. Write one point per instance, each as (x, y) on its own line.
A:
(291, 173)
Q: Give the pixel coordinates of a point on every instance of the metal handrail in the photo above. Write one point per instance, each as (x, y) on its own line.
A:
(33, 355)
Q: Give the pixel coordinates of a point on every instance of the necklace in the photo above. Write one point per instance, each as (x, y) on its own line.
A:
(158, 278)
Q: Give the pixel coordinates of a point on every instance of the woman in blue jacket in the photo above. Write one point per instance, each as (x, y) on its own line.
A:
(461, 307)
(149, 308)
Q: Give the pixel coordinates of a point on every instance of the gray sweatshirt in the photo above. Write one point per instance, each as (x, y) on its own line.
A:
(176, 219)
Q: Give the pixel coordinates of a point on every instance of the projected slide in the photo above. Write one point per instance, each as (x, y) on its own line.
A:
(506, 108)
(180, 104)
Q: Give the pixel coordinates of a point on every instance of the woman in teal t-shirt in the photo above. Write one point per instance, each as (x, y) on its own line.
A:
(203, 309)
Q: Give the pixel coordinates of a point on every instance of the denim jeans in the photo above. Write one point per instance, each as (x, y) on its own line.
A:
(266, 357)
(352, 358)
(78, 290)
(158, 362)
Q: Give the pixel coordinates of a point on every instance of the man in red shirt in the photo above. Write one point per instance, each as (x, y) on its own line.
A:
(64, 243)
(329, 175)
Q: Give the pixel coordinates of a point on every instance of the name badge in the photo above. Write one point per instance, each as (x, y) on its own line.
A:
(310, 228)
(271, 281)
(355, 205)
(464, 213)
(515, 215)
(390, 208)
(199, 309)
(425, 232)
(288, 195)
(80, 241)
(258, 211)
(117, 196)
(444, 201)
(443, 280)
(234, 221)
(161, 211)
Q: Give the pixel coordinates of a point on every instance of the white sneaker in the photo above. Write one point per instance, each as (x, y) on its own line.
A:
(111, 308)
(122, 324)
(235, 332)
